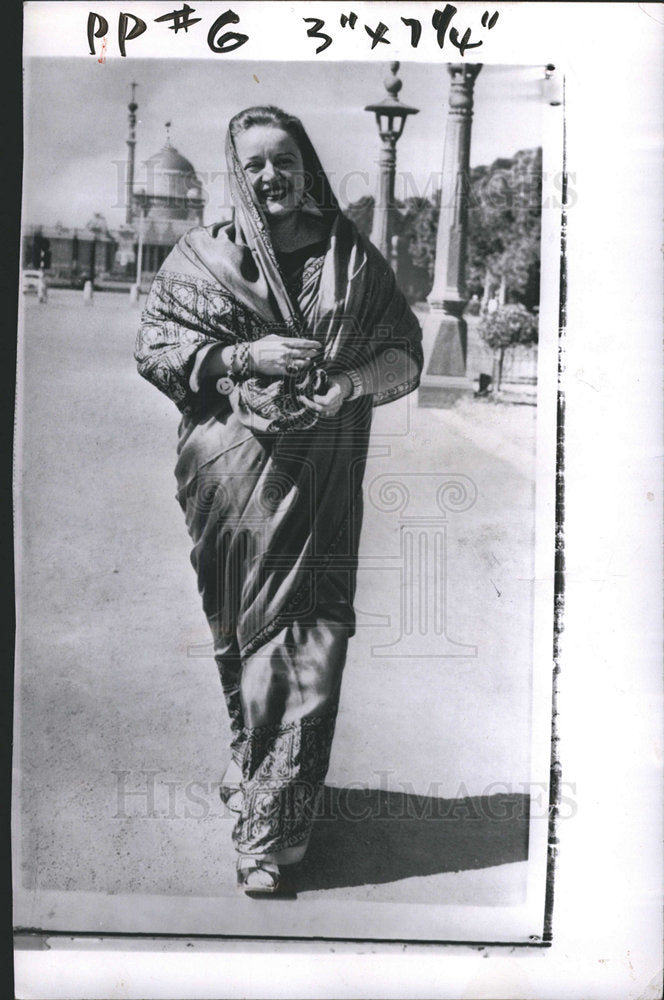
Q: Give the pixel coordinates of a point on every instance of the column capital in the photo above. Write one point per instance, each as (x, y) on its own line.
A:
(464, 72)
(461, 88)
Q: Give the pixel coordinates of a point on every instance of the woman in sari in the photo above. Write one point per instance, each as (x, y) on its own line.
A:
(275, 335)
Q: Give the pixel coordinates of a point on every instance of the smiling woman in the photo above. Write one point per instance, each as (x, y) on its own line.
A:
(275, 335)
(273, 164)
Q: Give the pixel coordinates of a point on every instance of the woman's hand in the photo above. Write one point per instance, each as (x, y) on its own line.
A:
(277, 355)
(328, 405)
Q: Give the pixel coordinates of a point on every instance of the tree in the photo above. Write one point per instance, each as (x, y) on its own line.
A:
(41, 251)
(504, 221)
(504, 229)
(361, 213)
(415, 223)
(97, 224)
(419, 227)
(508, 326)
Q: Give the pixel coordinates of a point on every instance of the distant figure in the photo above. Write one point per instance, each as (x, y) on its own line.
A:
(474, 306)
(88, 291)
(42, 288)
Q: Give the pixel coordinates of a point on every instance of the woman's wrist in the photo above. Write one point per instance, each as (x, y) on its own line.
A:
(225, 365)
(236, 360)
(344, 384)
(226, 358)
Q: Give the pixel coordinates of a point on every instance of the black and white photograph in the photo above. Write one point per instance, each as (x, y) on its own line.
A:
(288, 473)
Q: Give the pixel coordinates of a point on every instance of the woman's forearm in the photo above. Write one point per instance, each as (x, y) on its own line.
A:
(393, 368)
(212, 362)
(388, 371)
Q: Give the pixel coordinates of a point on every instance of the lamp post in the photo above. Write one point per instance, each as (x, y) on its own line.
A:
(391, 117)
(141, 201)
(93, 259)
(97, 226)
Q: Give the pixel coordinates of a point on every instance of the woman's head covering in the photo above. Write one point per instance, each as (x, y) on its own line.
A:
(319, 199)
(251, 225)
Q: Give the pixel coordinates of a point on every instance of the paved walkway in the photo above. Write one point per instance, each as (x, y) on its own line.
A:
(122, 732)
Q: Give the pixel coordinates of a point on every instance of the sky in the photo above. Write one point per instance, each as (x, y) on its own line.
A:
(76, 124)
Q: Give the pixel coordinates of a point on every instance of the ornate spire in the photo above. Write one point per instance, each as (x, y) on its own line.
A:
(167, 144)
(392, 83)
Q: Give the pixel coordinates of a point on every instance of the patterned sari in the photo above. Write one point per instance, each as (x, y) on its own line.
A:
(271, 494)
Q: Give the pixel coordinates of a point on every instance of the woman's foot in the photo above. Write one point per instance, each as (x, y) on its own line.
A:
(229, 787)
(231, 797)
(258, 878)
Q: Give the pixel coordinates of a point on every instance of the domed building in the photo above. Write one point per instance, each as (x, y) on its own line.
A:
(169, 204)
(163, 202)
(173, 188)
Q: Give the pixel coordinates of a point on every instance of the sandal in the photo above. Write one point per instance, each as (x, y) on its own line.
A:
(232, 797)
(258, 878)
(230, 790)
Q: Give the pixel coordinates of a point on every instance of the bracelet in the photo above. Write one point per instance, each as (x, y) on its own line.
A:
(238, 369)
(244, 360)
(356, 384)
(226, 383)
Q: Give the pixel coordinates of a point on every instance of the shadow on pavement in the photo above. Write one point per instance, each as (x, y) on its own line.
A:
(370, 836)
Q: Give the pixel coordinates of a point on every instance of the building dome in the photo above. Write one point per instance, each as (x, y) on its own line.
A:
(169, 159)
(172, 186)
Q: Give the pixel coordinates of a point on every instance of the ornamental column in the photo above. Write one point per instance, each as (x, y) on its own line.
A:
(445, 332)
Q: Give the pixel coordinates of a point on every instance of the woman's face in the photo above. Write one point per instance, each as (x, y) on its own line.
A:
(273, 164)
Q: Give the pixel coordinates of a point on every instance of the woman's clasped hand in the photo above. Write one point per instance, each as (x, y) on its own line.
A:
(276, 355)
(339, 388)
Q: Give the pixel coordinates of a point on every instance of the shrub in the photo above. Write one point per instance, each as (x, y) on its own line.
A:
(509, 325)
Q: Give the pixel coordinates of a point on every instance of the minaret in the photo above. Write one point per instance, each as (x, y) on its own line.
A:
(131, 142)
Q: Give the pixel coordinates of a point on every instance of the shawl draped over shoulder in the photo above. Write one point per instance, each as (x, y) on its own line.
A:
(271, 493)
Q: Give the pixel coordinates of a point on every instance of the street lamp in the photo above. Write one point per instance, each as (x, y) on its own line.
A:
(142, 203)
(391, 117)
